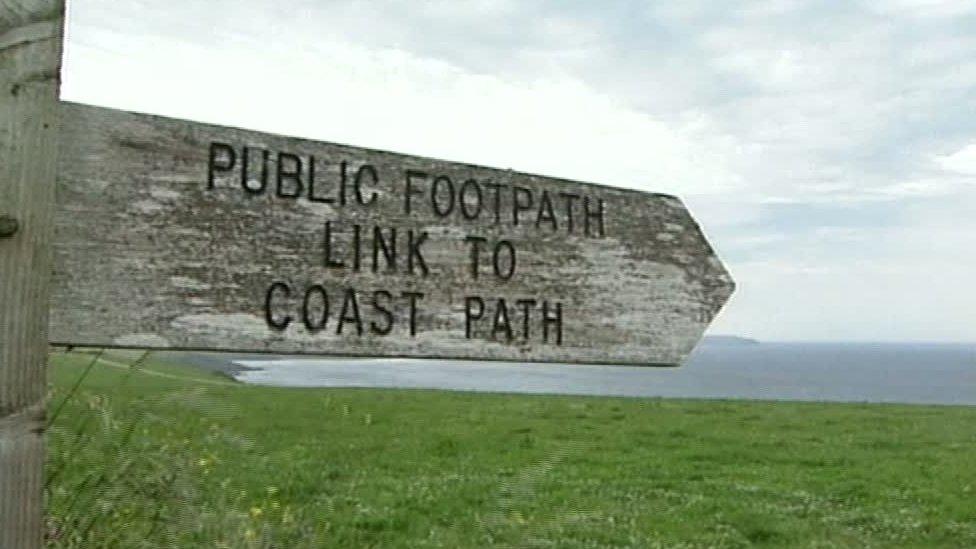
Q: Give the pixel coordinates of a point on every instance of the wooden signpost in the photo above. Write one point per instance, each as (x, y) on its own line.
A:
(173, 234)
(30, 61)
(179, 235)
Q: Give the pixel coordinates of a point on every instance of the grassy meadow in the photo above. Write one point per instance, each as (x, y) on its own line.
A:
(144, 453)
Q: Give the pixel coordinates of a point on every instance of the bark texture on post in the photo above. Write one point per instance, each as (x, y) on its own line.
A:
(30, 60)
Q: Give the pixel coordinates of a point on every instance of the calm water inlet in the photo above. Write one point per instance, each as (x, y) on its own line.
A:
(850, 372)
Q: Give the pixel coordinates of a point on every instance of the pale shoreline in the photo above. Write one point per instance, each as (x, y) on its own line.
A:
(895, 373)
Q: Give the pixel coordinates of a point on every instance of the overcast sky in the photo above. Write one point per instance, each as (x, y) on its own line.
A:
(828, 149)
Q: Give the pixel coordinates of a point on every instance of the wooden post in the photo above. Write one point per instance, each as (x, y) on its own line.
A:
(30, 61)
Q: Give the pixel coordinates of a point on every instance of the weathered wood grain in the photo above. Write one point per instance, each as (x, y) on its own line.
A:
(30, 59)
(149, 254)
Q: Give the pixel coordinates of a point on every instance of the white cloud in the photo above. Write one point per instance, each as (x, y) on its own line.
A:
(962, 161)
(555, 127)
(924, 8)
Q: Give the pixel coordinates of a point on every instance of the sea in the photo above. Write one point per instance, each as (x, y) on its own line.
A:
(920, 373)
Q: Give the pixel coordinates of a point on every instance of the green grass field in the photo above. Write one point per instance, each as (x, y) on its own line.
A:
(160, 455)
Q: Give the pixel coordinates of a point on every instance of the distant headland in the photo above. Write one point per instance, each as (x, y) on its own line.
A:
(729, 340)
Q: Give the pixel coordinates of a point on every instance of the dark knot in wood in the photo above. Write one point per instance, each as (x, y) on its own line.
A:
(8, 226)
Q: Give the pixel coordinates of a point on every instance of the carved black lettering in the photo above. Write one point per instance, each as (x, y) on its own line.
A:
(313, 324)
(274, 323)
(526, 305)
(555, 320)
(415, 255)
(370, 171)
(470, 315)
(312, 197)
(350, 312)
(501, 323)
(497, 202)
(476, 243)
(245, 181)
(413, 297)
(467, 188)
(442, 182)
(569, 199)
(222, 159)
(410, 190)
(387, 246)
(521, 202)
(381, 308)
(595, 216)
(546, 213)
(329, 247)
(291, 174)
(496, 262)
(343, 177)
(357, 246)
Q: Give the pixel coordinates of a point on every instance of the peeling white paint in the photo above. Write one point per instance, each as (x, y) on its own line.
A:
(188, 283)
(147, 207)
(152, 341)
